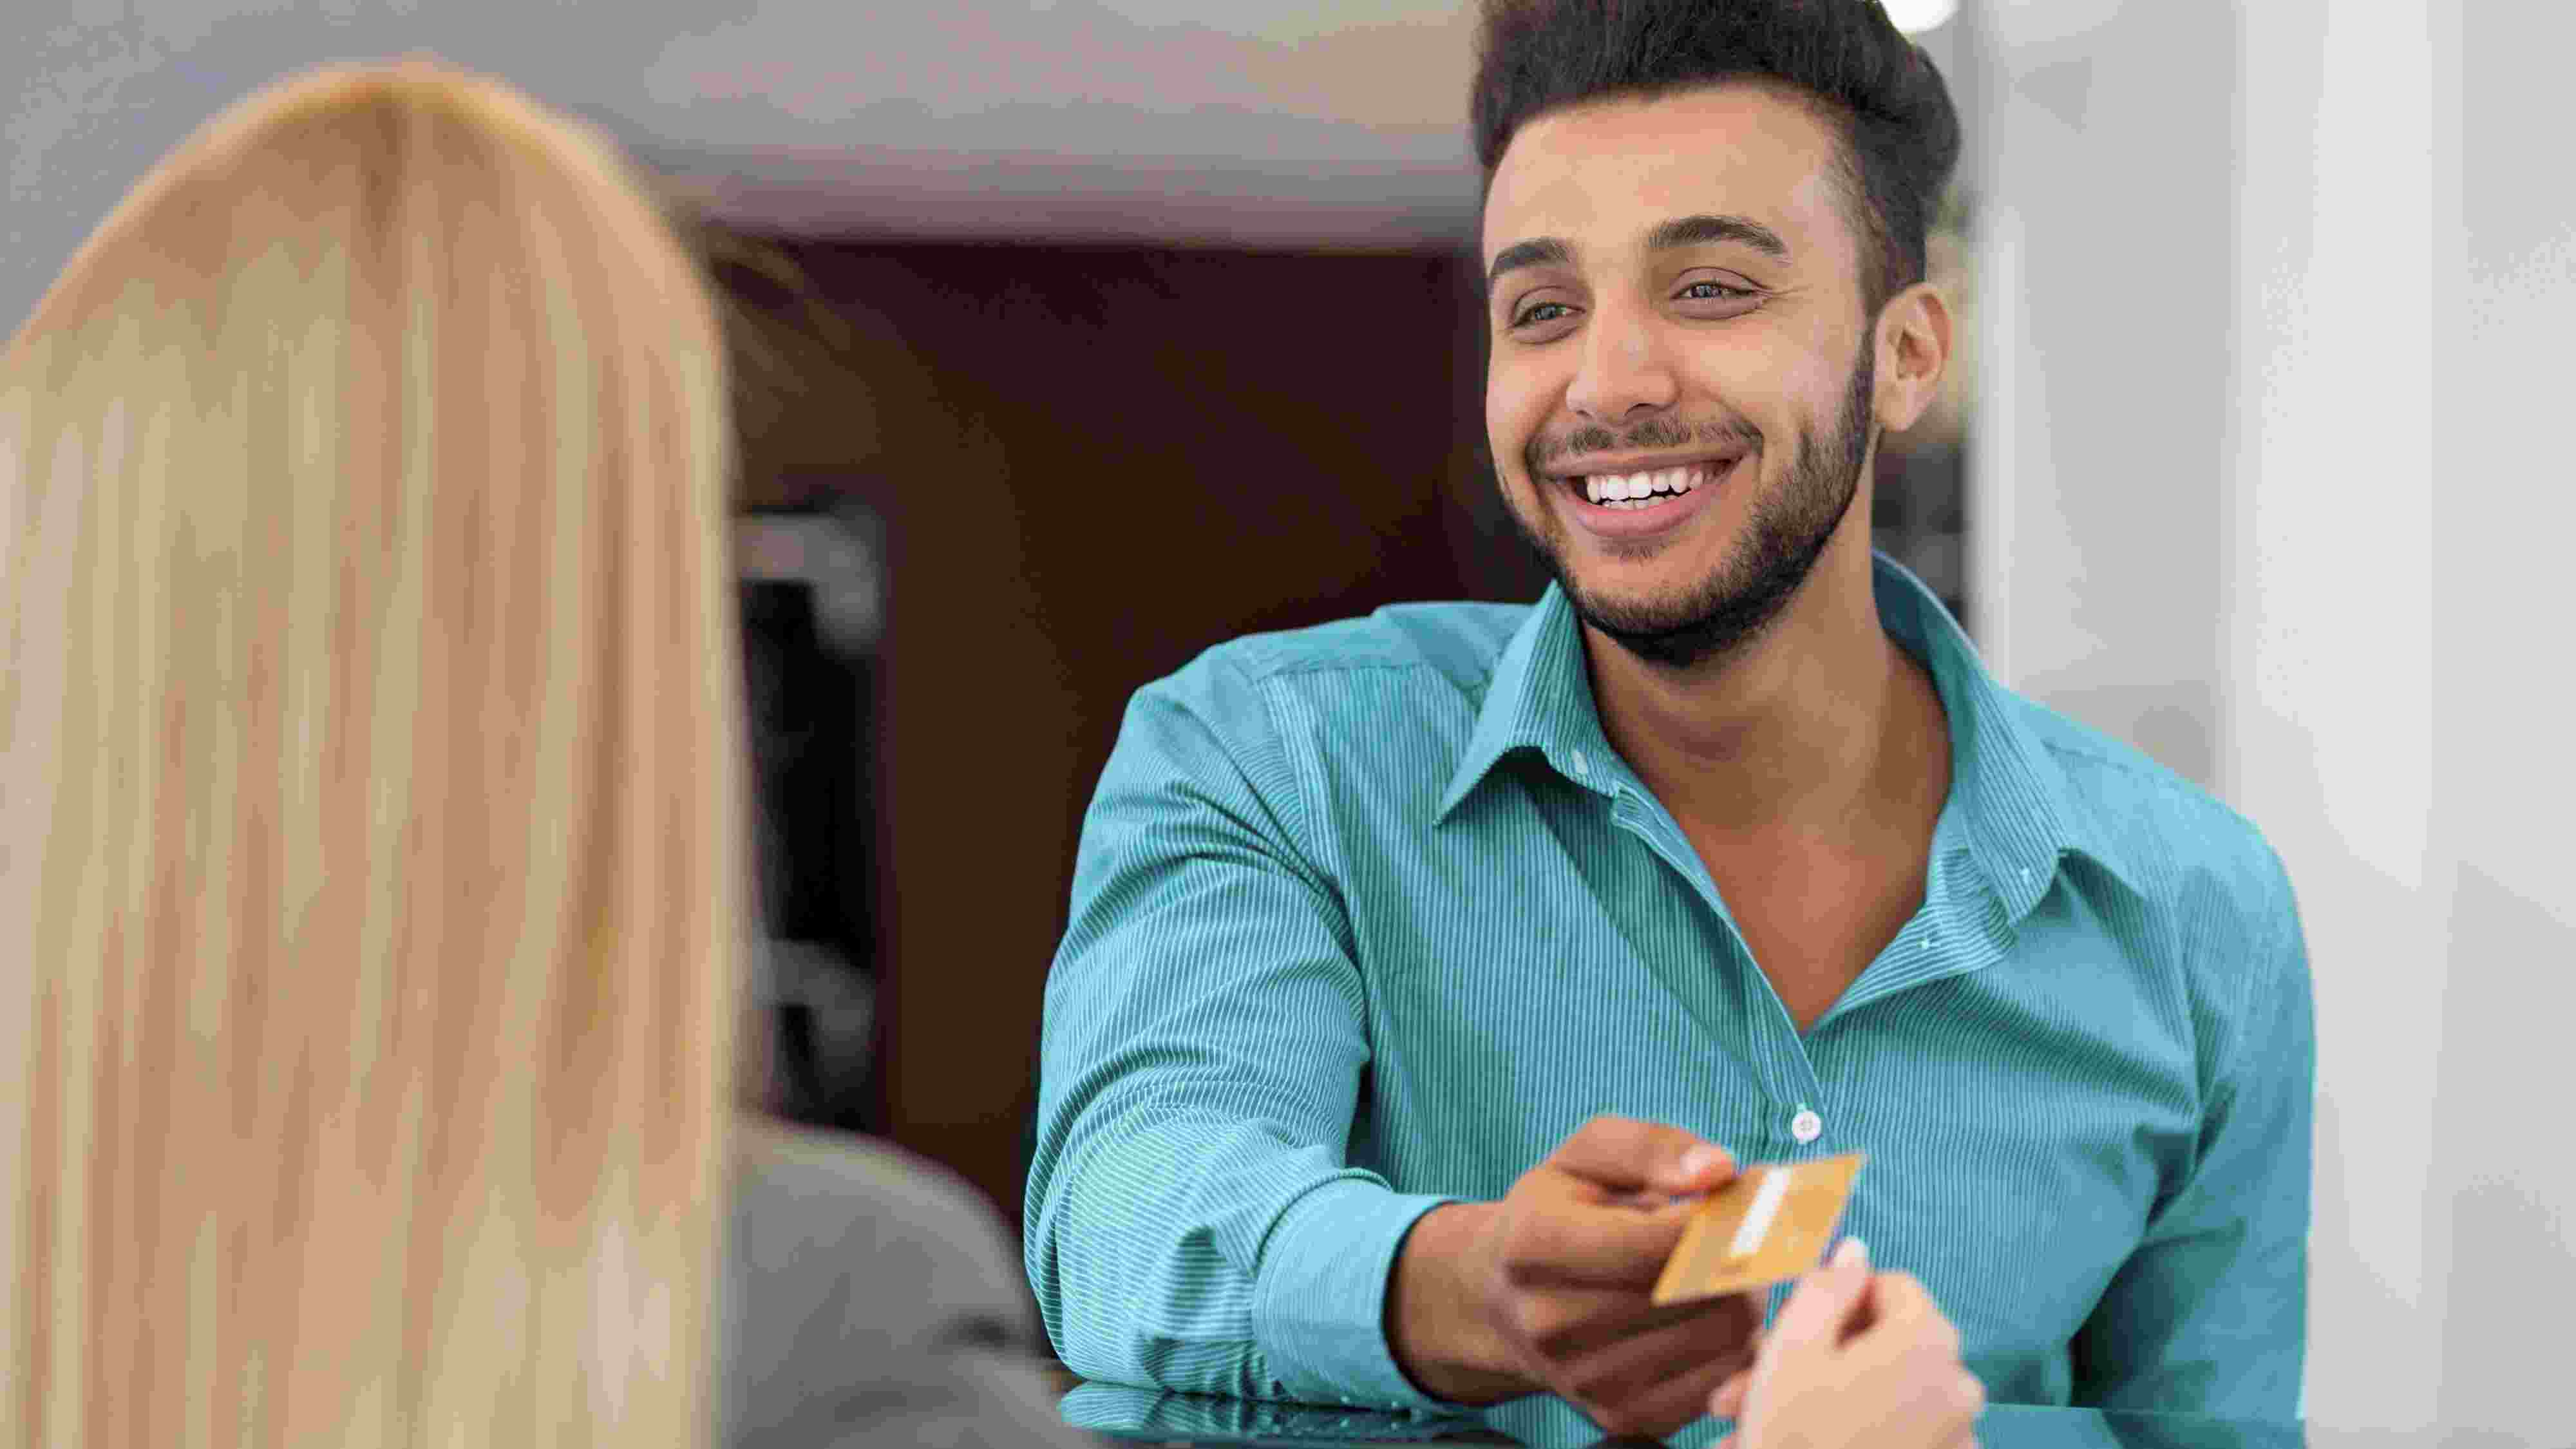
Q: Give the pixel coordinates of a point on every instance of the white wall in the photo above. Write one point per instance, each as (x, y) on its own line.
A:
(2092, 582)
(2279, 400)
(2503, 777)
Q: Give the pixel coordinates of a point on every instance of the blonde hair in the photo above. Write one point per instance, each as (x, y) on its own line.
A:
(370, 768)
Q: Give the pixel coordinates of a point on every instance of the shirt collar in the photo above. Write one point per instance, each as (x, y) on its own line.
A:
(2021, 814)
(2012, 796)
(1538, 699)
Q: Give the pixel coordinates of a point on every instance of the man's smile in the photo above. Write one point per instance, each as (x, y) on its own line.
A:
(1626, 500)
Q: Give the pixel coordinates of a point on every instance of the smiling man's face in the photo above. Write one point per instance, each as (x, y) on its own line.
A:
(1680, 394)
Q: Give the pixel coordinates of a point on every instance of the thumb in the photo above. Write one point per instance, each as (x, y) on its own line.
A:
(1824, 1299)
(1698, 1168)
(1621, 1155)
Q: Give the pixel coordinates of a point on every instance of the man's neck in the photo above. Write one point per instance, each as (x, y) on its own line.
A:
(1815, 720)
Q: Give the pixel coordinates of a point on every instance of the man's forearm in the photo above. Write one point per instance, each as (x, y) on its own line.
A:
(1435, 1326)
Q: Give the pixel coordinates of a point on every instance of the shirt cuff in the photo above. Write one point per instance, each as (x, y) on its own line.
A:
(1320, 1311)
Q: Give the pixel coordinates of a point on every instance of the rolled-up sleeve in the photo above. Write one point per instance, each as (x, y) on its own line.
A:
(2209, 1315)
(1191, 1221)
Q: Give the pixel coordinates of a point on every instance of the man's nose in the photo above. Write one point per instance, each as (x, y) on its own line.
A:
(1624, 372)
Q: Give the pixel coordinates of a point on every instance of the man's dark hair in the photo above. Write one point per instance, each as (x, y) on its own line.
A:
(1885, 101)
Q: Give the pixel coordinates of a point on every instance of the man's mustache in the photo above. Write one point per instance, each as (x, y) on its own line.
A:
(1656, 433)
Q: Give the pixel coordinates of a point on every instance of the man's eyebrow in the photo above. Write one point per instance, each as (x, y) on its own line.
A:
(1691, 231)
(1536, 252)
(1682, 231)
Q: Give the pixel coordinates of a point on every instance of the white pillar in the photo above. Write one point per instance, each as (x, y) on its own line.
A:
(2098, 449)
(2364, 539)
(2327, 736)
(2501, 1190)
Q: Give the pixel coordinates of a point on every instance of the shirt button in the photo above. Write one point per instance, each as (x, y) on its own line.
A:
(1806, 1126)
(1581, 765)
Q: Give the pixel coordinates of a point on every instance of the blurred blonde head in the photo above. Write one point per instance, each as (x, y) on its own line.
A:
(369, 782)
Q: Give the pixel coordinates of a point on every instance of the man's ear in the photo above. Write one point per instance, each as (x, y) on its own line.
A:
(1913, 342)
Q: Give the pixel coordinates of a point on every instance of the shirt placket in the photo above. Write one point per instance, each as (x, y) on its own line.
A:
(1794, 1127)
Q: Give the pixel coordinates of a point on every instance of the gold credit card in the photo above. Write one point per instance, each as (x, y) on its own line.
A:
(1770, 1224)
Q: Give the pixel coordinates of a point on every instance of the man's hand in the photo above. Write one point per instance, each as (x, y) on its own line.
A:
(1549, 1289)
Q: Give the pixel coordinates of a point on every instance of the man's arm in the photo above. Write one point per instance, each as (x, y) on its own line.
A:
(2209, 1315)
(1191, 1221)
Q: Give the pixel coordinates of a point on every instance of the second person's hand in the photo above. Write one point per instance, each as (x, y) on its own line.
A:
(1854, 1361)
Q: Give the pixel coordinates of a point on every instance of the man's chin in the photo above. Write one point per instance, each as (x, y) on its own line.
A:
(1634, 612)
(1631, 588)
(1642, 588)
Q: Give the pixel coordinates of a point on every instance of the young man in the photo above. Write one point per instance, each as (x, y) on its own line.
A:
(1730, 832)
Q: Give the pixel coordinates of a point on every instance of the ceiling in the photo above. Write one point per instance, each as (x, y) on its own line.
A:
(1325, 123)
(1328, 123)
(1340, 122)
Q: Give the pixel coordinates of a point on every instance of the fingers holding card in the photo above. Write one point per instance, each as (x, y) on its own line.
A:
(1768, 1225)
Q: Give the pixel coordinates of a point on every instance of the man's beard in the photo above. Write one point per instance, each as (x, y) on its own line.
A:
(1787, 533)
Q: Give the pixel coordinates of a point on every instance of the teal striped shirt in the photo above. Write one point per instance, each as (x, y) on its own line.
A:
(1370, 917)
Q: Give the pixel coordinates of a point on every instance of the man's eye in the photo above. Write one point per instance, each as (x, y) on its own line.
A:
(1712, 292)
(1541, 312)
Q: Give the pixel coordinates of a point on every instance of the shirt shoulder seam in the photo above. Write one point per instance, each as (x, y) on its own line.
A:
(2151, 775)
(2268, 968)
(1290, 668)
(1301, 828)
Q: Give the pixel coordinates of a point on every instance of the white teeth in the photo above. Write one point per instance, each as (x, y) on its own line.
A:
(1634, 490)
